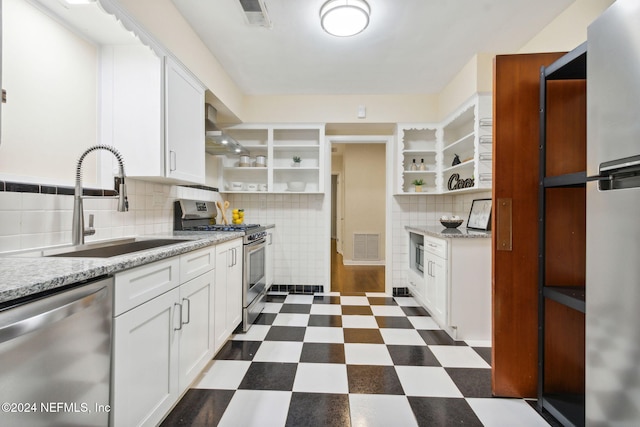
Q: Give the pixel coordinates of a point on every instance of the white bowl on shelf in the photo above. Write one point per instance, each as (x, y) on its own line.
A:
(296, 185)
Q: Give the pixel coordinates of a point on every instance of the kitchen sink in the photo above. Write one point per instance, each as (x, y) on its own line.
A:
(111, 248)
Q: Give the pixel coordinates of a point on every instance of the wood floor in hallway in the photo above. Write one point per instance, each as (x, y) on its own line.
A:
(354, 278)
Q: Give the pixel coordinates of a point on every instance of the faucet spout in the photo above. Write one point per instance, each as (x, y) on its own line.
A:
(77, 230)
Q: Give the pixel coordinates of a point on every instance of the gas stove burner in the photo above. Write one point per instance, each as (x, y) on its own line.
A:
(230, 227)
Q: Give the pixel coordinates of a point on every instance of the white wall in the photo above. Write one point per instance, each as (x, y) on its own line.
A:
(569, 29)
(364, 194)
(340, 108)
(299, 219)
(50, 117)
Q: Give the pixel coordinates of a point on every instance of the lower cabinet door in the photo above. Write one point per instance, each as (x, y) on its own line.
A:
(234, 289)
(440, 288)
(436, 293)
(145, 354)
(228, 290)
(223, 263)
(197, 333)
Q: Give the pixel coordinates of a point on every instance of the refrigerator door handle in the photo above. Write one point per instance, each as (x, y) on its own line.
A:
(619, 174)
(632, 162)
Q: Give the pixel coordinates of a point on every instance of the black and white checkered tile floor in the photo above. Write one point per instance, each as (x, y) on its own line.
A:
(348, 360)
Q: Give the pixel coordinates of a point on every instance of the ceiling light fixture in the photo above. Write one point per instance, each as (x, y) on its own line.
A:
(344, 18)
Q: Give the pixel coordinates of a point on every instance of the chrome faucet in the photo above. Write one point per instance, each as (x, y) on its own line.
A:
(77, 230)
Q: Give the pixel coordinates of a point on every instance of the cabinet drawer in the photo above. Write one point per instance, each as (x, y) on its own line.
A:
(141, 284)
(195, 263)
(435, 246)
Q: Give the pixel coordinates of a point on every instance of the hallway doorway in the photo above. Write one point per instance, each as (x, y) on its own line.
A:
(348, 279)
(358, 210)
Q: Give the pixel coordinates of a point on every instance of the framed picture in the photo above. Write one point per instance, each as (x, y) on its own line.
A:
(480, 215)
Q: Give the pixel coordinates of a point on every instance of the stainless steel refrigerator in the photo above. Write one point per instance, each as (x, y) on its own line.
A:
(613, 217)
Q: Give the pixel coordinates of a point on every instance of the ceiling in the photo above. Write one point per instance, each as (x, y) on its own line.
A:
(410, 46)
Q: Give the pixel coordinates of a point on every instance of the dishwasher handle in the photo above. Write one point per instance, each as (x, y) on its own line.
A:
(43, 312)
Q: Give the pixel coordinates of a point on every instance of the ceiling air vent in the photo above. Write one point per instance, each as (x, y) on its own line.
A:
(255, 11)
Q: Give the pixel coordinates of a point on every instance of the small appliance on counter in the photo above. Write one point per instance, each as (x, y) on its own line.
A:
(200, 216)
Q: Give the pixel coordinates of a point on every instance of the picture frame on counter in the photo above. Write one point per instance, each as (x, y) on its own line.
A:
(480, 215)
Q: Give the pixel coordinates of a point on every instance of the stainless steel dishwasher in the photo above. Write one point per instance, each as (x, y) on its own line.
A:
(55, 358)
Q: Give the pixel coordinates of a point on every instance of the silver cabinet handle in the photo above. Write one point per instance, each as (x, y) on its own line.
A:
(172, 161)
(235, 256)
(180, 327)
(188, 301)
(34, 320)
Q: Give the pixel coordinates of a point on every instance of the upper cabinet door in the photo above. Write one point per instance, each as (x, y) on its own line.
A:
(153, 112)
(184, 124)
(132, 107)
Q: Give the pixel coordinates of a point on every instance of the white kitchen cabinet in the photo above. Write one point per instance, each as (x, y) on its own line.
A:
(163, 342)
(145, 357)
(139, 285)
(184, 124)
(467, 133)
(270, 258)
(418, 157)
(279, 144)
(455, 284)
(436, 272)
(152, 112)
(228, 290)
(196, 332)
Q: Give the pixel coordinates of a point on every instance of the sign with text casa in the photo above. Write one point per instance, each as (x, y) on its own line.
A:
(457, 183)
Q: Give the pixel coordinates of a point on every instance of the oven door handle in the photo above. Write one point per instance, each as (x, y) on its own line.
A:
(261, 242)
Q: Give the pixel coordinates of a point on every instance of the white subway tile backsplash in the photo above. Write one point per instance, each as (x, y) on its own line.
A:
(9, 223)
(11, 201)
(9, 241)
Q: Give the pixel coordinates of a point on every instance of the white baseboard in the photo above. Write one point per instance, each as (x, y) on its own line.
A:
(352, 262)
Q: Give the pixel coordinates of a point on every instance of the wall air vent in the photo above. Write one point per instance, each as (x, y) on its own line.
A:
(365, 247)
(255, 12)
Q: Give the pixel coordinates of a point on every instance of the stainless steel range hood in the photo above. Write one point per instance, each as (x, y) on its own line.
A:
(216, 141)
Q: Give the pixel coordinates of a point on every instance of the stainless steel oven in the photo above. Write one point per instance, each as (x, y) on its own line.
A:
(254, 277)
(420, 257)
(416, 254)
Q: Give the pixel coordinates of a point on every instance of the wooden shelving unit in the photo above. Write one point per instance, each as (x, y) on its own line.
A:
(562, 238)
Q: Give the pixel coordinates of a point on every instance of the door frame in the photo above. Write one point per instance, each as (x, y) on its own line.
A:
(339, 209)
(388, 140)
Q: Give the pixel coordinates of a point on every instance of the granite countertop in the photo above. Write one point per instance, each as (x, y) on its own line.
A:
(24, 275)
(448, 233)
